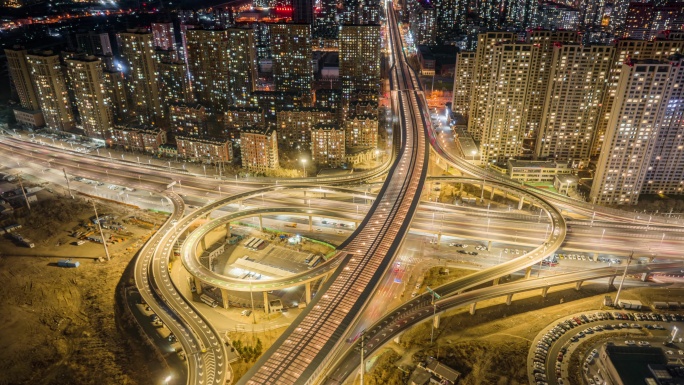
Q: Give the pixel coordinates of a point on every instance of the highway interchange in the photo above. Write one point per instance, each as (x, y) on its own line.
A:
(314, 349)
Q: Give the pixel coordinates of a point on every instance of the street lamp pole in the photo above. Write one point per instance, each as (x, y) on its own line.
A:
(304, 167)
(624, 274)
(104, 241)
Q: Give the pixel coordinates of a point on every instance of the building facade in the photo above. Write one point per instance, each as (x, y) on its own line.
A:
(360, 58)
(292, 57)
(51, 89)
(94, 107)
(259, 149)
(327, 144)
(209, 151)
(137, 49)
(20, 76)
(144, 139)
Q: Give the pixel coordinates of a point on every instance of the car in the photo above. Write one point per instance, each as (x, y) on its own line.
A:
(669, 352)
(630, 342)
(452, 244)
(589, 331)
(319, 230)
(591, 381)
(462, 252)
(635, 326)
(643, 343)
(680, 352)
(594, 353)
(339, 232)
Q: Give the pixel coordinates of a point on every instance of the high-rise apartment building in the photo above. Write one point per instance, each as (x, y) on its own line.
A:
(326, 21)
(360, 58)
(665, 172)
(642, 93)
(242, 65)
(660, 49)
(259, 149)
(223, 66)
(20, 76)
(577, 82)
(422, 22)
(137, 50)
(174, 84)
(543, 41)
(292, 57)
(115, 86)
(463, 82)
(94, 107)
(51, 89)
(504, 118)
(327, 144)
(551, 15)
(207, 63)
(163, 35)
(94, 43)
(303, 11)
(486, 43)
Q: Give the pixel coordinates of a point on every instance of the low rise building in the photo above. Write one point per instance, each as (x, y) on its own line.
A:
(535, 171)
(29, 118)
(295, 124)
(205, 150)
(138, 138)
(327, 144)
(361, 130)
(565, 183)
(259, 148)
(188, 121)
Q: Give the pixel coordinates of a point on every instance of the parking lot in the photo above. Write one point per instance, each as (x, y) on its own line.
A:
(548, 359)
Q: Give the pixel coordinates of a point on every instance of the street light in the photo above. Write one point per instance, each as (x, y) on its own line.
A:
(473, 153)
(304, 167)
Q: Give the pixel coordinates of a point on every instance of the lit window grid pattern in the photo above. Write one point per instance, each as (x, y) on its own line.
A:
(504, 118)
(631, 134)
(360, 58)
(206, 151)
(636, 50)
(259, 150)
(51, 89)
(665, 173)
(292, 55)
(92, 101)
(577, 82)
(327, 146)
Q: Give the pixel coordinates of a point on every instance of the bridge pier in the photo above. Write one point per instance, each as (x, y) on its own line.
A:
(198, 285)
(482, 192)
(307, 289)
(528, 272)
(521, 203)
(239, 205)
(489, 245)
(266, 304)
(472, 308)
(495, 281)
(261, 223)
(435, 321)
(310, 223)
(611, 280)
(491, 194)
(203, 244)
(439, 238)
(578, 285)
(509, 299)
(596, 256)
(224, 298)
(545, 292)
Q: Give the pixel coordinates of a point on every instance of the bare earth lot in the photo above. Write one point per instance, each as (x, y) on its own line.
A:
(61, 326)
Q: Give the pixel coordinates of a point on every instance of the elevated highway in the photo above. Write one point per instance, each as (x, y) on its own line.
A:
(301, 355)
(421, 309)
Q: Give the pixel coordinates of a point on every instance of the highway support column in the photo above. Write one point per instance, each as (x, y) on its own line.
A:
(496, 281)
(489, 245)
(509, 299)
(224, 298)
(521, 203)
(261, 223)
(266, 309)
(578, 285)
(198, 285)
(491, 194)
(545, 292)
(310, 223)
(472, 308)
(307, 289)
(611, 280)
(528, 272)
(435, 321)
(203, 243)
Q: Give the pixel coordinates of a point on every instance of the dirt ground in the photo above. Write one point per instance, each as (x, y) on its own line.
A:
(60, 325)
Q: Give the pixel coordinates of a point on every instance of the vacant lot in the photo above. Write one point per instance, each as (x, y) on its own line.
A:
(62, 326)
